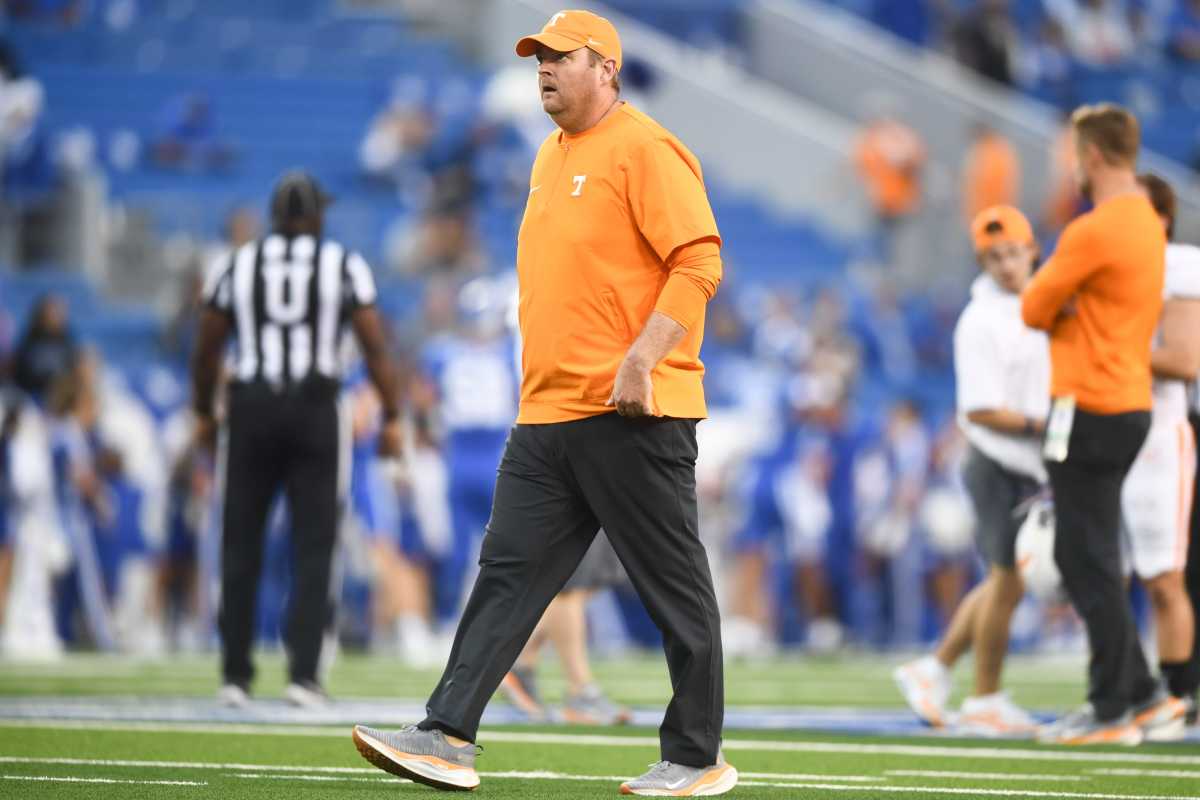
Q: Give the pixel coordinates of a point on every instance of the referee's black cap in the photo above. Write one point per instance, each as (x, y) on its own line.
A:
(298, 195)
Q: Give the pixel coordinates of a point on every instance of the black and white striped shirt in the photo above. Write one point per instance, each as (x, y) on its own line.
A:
(289, 300)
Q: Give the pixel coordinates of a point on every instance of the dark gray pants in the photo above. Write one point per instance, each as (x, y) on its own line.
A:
(1087, 549)
(557, 485)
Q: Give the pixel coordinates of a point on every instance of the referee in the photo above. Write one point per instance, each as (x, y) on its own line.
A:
(287, 300)
(617, 257)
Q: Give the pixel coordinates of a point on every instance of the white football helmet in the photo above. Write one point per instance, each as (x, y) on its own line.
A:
(1035, 552)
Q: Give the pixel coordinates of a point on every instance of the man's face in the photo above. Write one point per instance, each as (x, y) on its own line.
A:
(54, 316)
(1009, 264)
(567, 81)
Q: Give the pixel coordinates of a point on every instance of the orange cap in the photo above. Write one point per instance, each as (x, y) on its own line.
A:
(1000, 224)
(572, 29)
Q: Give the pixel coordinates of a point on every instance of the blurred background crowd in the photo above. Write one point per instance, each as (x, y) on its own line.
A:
(138, 139)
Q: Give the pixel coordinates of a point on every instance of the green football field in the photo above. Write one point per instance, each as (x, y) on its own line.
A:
(109, 749)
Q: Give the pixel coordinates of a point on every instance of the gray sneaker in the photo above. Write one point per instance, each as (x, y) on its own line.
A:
(592, 707)
(676, 780)
(422, 756)
(1081, 727)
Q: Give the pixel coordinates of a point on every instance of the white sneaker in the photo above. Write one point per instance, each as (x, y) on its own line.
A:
(743, 638)
(925, 685)
(306, 695)
(995, 715)
(1162, 718)
(825, 636)
(231, 695)
(418, 646)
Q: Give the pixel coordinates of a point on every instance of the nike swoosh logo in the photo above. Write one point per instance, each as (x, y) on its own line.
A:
(535, 188)
(677, 784)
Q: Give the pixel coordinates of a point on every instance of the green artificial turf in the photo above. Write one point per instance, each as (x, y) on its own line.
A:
(325, 765)
(306, 761)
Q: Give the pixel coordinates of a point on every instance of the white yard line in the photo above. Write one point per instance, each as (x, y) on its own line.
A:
(838, 787)
(594, 740)
(981, 776)
(924, 790)
(1146, 773)
(332, 773)
(780, 780)
(803, 776)
(67, 779)
(548, 776)
(338, 778)
(112, 762)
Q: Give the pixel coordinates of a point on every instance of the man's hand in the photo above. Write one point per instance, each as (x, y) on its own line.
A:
(204, 432)
(633, 391)
(391, 438)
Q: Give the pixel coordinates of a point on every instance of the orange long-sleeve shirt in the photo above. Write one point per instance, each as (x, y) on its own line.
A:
(617, 226)
(1111, 262)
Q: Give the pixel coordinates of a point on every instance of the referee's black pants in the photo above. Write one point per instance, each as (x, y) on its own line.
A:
(1191, 572)
(557, 485)
(285, 440)
(1087, 549)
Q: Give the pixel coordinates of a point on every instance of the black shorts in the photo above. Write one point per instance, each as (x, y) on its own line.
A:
(995, 493)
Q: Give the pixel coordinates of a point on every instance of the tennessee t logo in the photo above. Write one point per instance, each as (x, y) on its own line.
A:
(579, 181)
(554, 20)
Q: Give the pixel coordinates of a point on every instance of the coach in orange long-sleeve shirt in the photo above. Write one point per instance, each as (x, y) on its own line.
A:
(1100, 297)
(617, 256)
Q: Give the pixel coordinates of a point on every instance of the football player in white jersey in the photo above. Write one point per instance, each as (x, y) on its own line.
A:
(1156, 499)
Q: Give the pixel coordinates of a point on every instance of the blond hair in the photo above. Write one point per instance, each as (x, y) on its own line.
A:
(1114, 131)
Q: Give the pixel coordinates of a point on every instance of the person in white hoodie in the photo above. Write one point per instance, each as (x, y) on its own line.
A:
(1002, 372)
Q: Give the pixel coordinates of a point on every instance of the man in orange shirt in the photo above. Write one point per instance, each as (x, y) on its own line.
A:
(1099, 297)
(991, 173)
(890, 157)
(617, 256)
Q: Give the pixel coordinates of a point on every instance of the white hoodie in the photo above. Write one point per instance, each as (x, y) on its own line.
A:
(999, 363)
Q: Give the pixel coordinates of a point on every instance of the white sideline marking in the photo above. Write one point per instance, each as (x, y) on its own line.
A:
(783, 785)
(1146, 773)
(334, 773)
(383, 778)
(594, 740)
(113, 762)
(838, 787)
(67, 779)
(800, 776)
(779, 776)
(282, 772)
(983, 776)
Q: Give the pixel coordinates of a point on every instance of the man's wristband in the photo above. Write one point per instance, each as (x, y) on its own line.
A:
(1030, 428)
